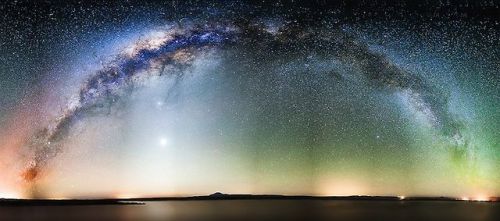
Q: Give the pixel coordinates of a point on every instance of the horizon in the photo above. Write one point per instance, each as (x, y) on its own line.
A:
(220, 195)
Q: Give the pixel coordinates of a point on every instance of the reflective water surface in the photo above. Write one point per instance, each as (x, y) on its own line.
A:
(262, 210)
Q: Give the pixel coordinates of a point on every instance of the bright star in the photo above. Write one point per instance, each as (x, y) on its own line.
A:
(163, 142)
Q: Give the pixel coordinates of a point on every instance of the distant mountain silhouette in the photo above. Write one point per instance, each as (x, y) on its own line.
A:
(218, 196)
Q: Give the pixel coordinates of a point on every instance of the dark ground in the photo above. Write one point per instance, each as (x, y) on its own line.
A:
(248, 207)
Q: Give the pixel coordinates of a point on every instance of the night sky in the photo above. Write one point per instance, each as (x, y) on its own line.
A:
(133, 99)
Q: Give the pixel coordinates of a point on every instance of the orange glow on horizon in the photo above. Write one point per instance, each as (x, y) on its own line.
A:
(10, 195)
(343, 188)
(478, 198)
(481, 198)
(125, 196)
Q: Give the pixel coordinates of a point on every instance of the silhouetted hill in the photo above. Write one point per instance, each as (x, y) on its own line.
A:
(65, 202)
(217, 196)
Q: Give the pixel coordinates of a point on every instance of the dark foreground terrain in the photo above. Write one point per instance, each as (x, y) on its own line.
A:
(247, 207)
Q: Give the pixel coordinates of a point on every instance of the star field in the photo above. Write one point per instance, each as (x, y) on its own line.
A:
(183, 98)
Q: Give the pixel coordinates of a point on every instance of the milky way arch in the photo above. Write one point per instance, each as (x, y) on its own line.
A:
(177, 44)
(172, 48)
